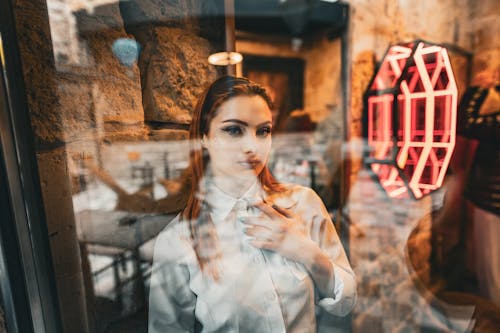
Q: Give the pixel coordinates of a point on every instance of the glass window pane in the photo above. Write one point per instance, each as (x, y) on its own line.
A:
(151, 162)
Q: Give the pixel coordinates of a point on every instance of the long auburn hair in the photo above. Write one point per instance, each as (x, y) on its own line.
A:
(196, 212)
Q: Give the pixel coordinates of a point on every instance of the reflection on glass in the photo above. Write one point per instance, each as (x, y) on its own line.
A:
(127, 77)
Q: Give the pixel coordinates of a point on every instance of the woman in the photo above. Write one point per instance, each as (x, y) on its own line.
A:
(247, 254)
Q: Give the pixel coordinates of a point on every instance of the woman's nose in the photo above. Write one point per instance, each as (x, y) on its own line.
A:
(249, 144)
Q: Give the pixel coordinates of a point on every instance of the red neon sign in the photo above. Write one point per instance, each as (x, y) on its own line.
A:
(411, 110)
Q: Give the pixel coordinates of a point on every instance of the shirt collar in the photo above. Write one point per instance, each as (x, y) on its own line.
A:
(222, 203)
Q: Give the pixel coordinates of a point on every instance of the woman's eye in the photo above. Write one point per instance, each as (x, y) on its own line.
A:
(233, 130)
(264, 131)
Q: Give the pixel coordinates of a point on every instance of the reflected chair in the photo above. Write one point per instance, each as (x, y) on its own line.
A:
(118, 258)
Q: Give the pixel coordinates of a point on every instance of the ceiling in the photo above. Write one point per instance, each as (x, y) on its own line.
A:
(296, 18)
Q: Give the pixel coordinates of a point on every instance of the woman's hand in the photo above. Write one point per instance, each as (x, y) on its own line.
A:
(280, 230)
(277, 229)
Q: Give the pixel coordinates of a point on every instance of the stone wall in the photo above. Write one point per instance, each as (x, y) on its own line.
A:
(150, 99)
(116, 99)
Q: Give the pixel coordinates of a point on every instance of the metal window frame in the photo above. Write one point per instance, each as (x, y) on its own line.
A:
(27, 279)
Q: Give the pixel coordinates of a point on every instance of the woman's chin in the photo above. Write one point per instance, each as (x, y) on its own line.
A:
(246, 174)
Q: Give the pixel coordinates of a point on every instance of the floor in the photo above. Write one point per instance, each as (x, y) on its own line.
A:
(114, 312)
(393, 295)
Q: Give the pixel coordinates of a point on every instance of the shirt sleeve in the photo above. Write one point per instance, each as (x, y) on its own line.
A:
(171, 301)
(341, 295)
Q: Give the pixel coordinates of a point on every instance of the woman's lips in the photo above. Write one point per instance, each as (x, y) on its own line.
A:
(249, 164)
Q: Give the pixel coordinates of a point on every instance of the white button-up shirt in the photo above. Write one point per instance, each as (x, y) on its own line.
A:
(258, 290)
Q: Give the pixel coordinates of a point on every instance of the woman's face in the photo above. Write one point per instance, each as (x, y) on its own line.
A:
(239, 139)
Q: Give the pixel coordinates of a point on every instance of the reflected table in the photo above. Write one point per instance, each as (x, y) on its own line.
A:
(120, 230)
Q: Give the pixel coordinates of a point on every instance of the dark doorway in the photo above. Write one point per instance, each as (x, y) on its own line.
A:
(284, 80)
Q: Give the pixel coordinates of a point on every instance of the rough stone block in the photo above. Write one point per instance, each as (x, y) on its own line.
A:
(103, 17)
(116, 87)
(77, 110)
(175, 72)
(487, 60)
(117, 131)
(168, 135)
(483, 8)
(484, 32)
(38, 69)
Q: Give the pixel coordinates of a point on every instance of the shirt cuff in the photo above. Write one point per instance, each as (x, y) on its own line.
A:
(343, 298)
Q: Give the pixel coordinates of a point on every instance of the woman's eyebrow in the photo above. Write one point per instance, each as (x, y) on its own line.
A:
(265, 123)
(244, 123)
(241, 122)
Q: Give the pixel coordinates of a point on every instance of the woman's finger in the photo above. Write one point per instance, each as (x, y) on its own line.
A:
(271, 211)
(259, 232)
(262, 221)
(283, 211)
(263, 244)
